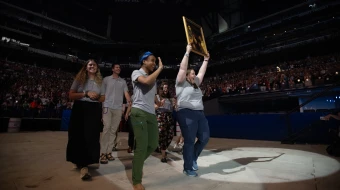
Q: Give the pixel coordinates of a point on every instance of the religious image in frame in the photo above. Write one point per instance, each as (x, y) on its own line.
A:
(195, 37)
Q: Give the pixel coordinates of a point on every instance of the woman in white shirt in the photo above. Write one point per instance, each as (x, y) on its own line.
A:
(190, 113)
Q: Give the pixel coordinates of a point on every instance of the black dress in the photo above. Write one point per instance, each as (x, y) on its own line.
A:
(83, 147)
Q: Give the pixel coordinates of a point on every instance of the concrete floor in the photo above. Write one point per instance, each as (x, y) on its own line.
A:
(36, 160)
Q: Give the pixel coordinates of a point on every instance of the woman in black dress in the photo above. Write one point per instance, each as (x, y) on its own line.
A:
(83, 146)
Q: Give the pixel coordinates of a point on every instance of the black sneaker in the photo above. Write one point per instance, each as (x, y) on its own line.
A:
(164, 160)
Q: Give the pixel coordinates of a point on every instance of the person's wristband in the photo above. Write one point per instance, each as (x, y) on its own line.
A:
(186, 54)
(206, 60)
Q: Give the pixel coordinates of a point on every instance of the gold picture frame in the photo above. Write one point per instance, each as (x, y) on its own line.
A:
(195, 37)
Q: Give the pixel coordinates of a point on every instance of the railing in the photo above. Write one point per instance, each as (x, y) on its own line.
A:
(293, 136)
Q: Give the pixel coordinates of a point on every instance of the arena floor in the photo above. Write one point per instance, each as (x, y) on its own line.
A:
(36, 160)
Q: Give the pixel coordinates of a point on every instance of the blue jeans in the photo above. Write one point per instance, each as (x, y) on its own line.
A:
(193, 124)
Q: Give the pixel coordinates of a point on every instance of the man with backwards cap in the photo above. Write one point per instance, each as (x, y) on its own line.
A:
(143, 116)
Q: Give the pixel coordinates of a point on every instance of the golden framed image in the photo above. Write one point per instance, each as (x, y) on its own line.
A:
(195, 37)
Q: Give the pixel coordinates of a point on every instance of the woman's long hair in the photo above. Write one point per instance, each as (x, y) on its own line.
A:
(167, 95)
(82, 75)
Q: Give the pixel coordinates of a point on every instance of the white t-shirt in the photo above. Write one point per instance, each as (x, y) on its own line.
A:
(144, 95)
(189, 97)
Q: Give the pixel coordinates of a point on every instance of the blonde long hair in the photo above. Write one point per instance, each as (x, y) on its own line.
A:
(82, 75)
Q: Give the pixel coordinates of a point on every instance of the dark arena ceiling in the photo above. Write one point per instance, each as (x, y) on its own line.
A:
(146, 21)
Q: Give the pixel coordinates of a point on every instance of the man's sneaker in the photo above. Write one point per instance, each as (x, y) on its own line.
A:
(194, 166)
(190, 173)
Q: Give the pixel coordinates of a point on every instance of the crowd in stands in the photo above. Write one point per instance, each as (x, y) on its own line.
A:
(31, 91)
(309, 72)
